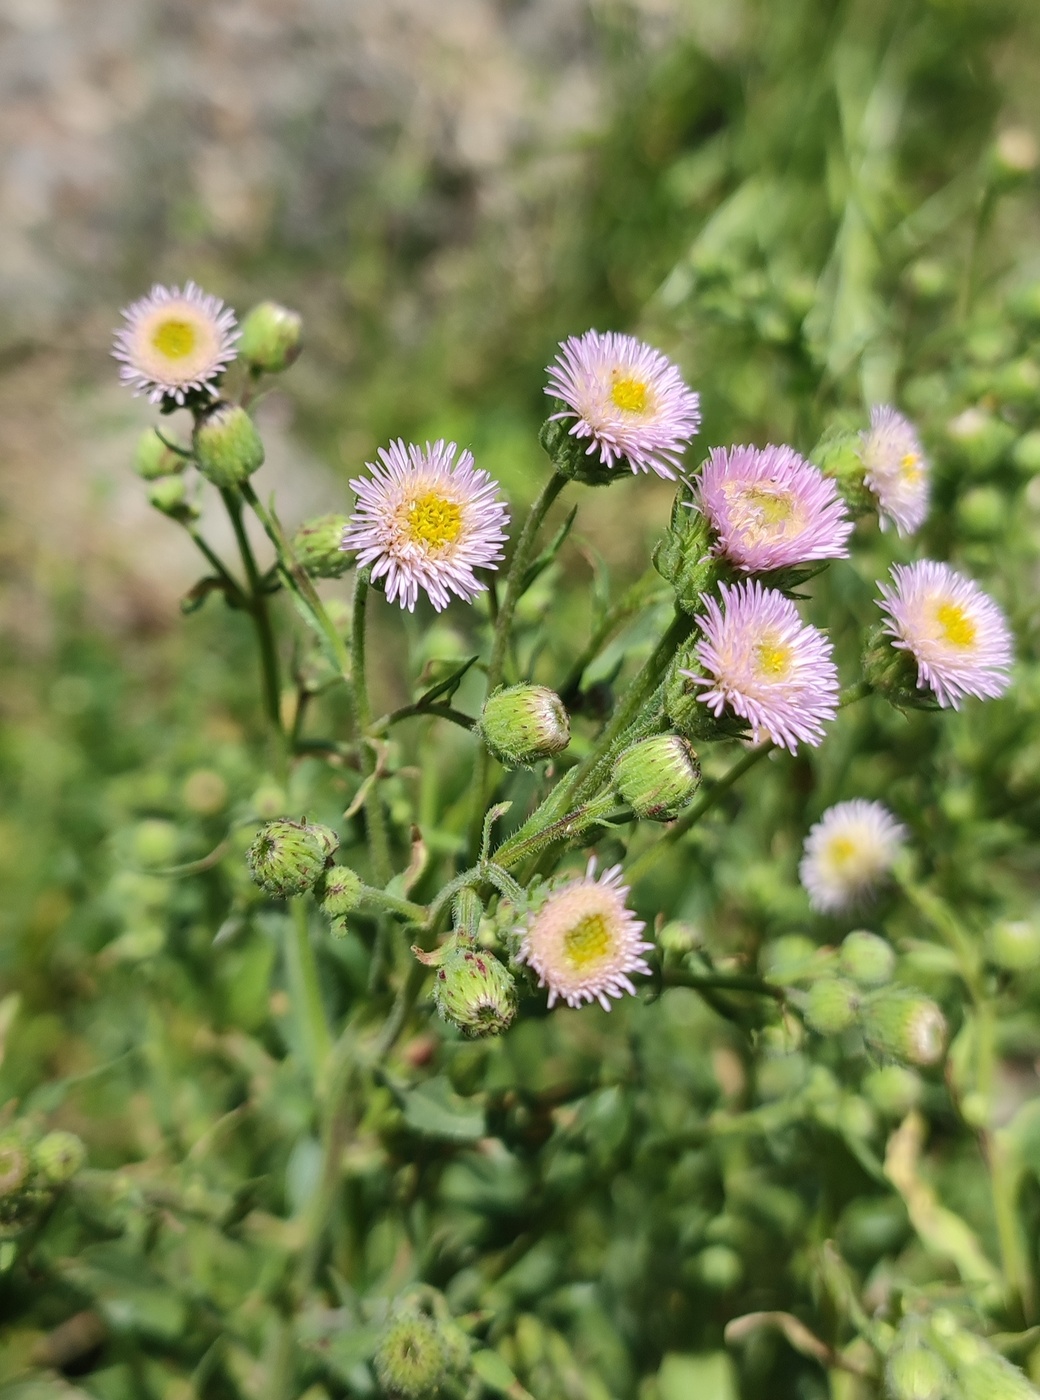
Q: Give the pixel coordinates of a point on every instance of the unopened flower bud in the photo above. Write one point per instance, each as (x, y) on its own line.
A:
(866, 958)
(287, 857)
(341, 894)
(790, 958)
(317, 545)
(658, 777)
(153, 459)
(893, 1090)
(906, 1026)
(270, 338)
(227, 445)
(979, 1371)
(58, 1157)
(1014, 944)
(831, 1005)
(892, 673)
(524, 723)
(719, 1267)
(916, 1372)
(473, 990)
(839, 455)
(170, 495)
(411, 1361)
(15, 1166)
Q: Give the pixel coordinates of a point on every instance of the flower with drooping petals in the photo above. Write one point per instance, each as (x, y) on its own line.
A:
(425, 521)
(895, 469)
(627, 398)
(771, 508)
(768, 666)
(583, 942)
(957, 634)
(175, 342)
(848, 853)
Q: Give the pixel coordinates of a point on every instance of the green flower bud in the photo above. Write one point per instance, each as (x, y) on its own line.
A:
(892, 673)
(1026, 454)
(316, 545)
(341, 894)
(982, 512)
(791, 958)
(523, 723)
(472, 990)
(866, 958)
(288, 857)
(326, 837)
(170, 495)
(916, 1372)
(684, 556)
(153, 459)
(411, 1361)
(155, 842)
(268, 800)
(980, 438)
(980, 1372)
(58, 1157)
(906, 1026)
(1014, 944)
(227, 445)
(837, 455)
(270, 339)
(831, 1005)
(569, 457)
(658, 777)
(719, 1267)
(15, 1166)
(893, 1090)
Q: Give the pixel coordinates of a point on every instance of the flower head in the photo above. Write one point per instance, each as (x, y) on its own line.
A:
(583, 942)
(628, 398)
(895, 469)
(175, 342)
(771, 508)
(426, 521)
(958, 636)
(848, 852)
(768, 666)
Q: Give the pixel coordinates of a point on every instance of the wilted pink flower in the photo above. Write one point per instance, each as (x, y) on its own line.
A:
(895, 469)
(583, 942)
(426, 523)
(627, 398)
(958, 636)
(174, 342)
(848, 852)
(766, 665)
(771, 508)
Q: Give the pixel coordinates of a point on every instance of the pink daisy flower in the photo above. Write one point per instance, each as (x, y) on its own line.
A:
(895, 469)
(425, 521)
(958, 636)
(768, 666)
(848, 852)
(627, 398)
(771, 508)
(583, 942)
(175, 342)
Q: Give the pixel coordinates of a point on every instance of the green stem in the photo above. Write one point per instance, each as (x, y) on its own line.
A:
(305, 991)
(503, 625)
(435, 707)
(721, 981)
(374, 816)
(258, 609)
(231, 584)
(519, 847)
(390, 904)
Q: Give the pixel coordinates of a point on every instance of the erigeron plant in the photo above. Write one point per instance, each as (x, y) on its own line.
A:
(503, 925)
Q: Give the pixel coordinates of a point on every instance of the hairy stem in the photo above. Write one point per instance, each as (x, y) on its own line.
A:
(305, 991)
(260, 613)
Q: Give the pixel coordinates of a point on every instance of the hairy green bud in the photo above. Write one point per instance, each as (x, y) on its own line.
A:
(153, 459)
(227, 445)
(831, 1005)
(916, 1372)
(523, 723)
(658, 777)
(1014, 944)
(838, 455)
(866, 958)
(411, 1360)
(270, 338)
(170, 496)
(684, 556)
(892, 673)
(58, 1157)
(472, 990)
(341, 894)
(980, 1372)
(288, 857)
(893, 1090)
(316, 545)
(791, 958)
(569, 456)
(906, 1026)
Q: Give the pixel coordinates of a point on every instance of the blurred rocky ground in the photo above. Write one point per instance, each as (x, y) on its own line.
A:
(294, 147)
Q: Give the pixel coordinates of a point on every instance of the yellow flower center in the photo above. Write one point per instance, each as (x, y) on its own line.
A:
(841, 850)
(761, 510)
(772, 658)
(587, 942)
(433, 521)
(174, 339)
(910, 467)
(956, 626)
(630, 395)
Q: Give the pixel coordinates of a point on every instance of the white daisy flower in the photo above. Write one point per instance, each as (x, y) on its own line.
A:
(175, 342)
(583, 942)
(848, 853)
(425, 521)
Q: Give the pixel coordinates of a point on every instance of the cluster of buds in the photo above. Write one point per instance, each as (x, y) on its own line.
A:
(32, 1173)
(937, 1358)
(472, 990)
(290, 857)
